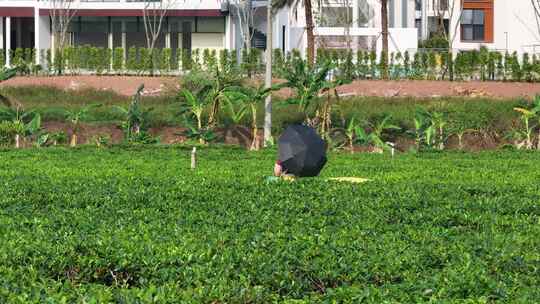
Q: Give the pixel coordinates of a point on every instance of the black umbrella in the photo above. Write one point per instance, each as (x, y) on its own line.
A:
(301, 151)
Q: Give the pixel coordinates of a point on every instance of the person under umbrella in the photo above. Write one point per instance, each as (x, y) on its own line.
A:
(302, 152)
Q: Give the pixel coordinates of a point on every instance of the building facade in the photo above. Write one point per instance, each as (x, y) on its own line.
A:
(188, 24)
(501, 25)
(346, 24)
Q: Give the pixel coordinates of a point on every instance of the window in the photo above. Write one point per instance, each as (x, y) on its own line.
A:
(210, 25)
(365, 13)
(473, 25)
(336, 16)
(440, 5)
(477, 21)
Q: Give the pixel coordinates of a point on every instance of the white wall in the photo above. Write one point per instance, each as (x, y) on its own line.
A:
(212, 41)
(42, 38)
(514, 26)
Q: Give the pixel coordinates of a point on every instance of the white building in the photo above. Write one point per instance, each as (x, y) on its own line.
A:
(188, 24)
(354, 24)
(503, 25)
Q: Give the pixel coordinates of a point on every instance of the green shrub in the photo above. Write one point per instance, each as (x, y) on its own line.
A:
(132, 60)
(118, 60)
(165, 62)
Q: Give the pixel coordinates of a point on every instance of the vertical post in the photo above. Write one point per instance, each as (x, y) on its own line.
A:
(124, 41)
(110, 38)
(228, 32)
(2, 33)
(110, 41)
(37, 33)
(8, 41)
(268, 79)
(168, 36)
(424, 20)
(53, 46)
(194, 158)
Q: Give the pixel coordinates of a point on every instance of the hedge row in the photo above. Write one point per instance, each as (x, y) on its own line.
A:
(481, 65)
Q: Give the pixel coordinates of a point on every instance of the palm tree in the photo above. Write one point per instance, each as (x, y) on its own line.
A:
(308, 12)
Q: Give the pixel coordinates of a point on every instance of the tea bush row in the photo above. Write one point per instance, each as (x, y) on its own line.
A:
(137, 225)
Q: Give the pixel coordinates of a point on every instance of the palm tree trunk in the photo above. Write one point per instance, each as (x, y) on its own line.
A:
(384, 33)
(309, 31)
(17, 141)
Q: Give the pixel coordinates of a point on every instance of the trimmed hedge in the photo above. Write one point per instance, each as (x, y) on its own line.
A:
(483, 65)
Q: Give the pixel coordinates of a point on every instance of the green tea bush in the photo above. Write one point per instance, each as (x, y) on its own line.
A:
(136, 225)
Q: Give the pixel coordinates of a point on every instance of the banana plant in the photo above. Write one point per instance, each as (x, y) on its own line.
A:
(378, 128)
(526, 116)
(355, 134)
(23, 123)
(250, 97)
(203, 135)
(194, 106)
(438, 121)
(429, 128)
(74, 118)
(536, 110)
(221, 82)
(307, 82)
(134, 115)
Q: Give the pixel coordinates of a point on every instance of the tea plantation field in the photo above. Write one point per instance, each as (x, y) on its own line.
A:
(138, 226)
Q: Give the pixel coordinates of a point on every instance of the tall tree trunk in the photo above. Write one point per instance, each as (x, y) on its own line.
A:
(268, 79)
(384, 33)
(309, 31)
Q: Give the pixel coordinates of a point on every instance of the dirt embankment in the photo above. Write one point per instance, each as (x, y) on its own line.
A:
(122, 85)
(126, 85)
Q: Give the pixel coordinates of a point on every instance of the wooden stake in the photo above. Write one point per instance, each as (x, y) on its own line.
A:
(194, 158)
